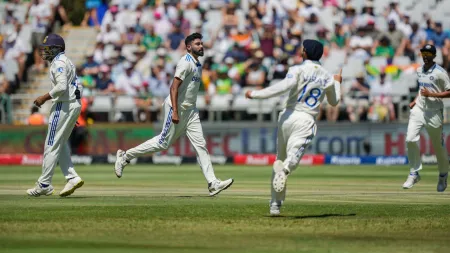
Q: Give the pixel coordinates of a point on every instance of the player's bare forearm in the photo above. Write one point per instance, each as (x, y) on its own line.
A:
(42, 99)
(427, 93)
(445, 94)
(174, 98)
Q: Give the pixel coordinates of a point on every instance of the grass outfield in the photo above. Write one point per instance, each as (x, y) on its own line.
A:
(166, 209)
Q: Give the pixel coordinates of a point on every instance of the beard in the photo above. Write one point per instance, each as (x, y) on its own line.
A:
(199, 53)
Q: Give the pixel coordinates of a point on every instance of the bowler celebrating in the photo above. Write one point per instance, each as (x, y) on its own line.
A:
(181, 117)
(307, 85)
(427, 111)
(63, 117)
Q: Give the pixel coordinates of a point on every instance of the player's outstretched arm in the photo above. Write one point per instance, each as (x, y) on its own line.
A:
(274, 90)
(427, 93)
(174, 98)
(333, 91)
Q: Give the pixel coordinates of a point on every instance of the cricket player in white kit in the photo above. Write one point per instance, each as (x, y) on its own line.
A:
(181, 117)
(63, 116)
(307, 85)
(427, 111)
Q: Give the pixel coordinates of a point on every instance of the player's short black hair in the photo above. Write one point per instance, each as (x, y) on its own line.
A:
(192, 37)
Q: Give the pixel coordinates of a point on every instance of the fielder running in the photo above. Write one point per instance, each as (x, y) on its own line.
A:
(64, 113)
(181, 116)
(307, 84)
(427, 111)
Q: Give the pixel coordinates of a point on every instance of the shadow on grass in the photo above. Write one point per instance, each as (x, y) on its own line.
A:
(58, 197)
(313, 216)
(193, 196)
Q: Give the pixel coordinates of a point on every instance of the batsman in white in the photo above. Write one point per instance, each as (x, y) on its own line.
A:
(427, 111)
(64, 114)
(181, 117)
(307, 84)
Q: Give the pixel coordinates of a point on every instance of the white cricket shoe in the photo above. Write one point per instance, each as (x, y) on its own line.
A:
(38, 190)
(217, 186)
(411, 181)
(120, 163)
(442, 183)
(275, 210)
(71, 186)
(280, 177)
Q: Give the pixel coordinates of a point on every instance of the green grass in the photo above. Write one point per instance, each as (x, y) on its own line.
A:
(166, 209)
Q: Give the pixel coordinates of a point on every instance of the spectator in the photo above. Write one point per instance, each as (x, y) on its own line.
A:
(40, 14)
(99, 52)
(90, 67)
(340, 38)
(384, 48)
(131, 36)
(440, 39)
(175, 39)
(256, 74)
(223, 84)
(349, 17)
(418, 37)
(130, 82)
(104, 84)
(159, 83)
(395, 36)
(323, 38)
(358, 100)
(310, 27)
(151, 40)
(292, 43)
(230, 19)
(15, 49)
(392, 13)
(91, 13)
(162, 26)
(405, 26)
(267, 41)
(36, 118)
(372, 31)
(59, 14)
(5, 101)
(110, 36)
(308, 9)
(184, 24)
(381, 99)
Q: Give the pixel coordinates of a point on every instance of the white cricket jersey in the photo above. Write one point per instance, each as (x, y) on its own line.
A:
(435, 80)
(307, 83)
(63, 78)
(190, 71)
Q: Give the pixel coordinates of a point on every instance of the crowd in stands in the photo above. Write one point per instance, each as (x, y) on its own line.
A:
(249, 44)
(23, 26)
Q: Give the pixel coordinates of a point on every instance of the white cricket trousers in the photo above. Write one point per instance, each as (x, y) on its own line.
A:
(432, 121)
(63, 117)
(295, 132)
(190, 124)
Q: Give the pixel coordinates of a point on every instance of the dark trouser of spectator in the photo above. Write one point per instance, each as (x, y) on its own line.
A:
(78, 140)
(5, 109)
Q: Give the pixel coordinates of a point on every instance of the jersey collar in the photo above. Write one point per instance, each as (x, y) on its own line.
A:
(430, 70)
(311, 61)
(197, 62)
(56, 57)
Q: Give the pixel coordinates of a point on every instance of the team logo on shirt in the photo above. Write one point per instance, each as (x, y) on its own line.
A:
(431, 78)
(60, 69)
(196, 79)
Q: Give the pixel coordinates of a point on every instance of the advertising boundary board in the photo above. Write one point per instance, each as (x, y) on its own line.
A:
(240, 159)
